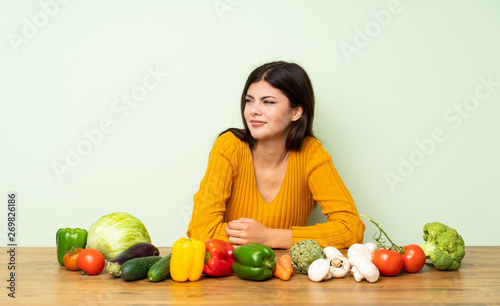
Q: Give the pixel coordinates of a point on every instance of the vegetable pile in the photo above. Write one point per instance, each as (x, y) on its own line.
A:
(123, 242)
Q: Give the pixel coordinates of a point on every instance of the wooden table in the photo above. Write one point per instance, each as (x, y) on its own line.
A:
(39, 279)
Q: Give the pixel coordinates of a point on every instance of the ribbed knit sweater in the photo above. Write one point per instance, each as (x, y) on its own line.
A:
(229, 191)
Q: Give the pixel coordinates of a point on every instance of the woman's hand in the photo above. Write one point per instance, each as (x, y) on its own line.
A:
(247, 230)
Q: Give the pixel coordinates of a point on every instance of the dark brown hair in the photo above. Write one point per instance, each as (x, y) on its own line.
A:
(295, 84)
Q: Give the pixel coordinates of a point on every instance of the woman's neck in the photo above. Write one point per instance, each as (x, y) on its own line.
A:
(269, 154)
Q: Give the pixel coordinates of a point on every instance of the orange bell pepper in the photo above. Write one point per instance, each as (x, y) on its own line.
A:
(188, 260)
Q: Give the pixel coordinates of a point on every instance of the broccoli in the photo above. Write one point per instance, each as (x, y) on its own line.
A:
(444, 246)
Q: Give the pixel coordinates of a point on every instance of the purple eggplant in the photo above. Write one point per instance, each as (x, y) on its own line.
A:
(142, 249)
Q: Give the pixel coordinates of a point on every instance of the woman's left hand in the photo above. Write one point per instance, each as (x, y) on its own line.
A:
(247, 230)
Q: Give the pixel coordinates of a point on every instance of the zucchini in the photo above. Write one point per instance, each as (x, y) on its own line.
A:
(137, 268)
(160, 270)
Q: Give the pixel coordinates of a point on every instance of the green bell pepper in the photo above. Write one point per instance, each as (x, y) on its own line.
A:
(67, 238)
(254, 261)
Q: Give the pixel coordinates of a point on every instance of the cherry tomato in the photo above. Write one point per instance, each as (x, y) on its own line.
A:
(389, 263)
(91, 261)
(413, 258)
(70, 258)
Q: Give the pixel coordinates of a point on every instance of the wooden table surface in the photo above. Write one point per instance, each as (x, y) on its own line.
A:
(40, 280)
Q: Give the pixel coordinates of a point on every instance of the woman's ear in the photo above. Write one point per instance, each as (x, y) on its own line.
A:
(297, 113)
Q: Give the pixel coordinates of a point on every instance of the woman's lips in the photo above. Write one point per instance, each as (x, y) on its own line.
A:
(256, 123)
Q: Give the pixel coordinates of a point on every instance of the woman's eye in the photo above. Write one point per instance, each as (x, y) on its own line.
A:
(269, 102)
(248, 100)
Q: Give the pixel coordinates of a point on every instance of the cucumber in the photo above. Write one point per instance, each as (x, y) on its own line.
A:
(160, 270)
(137, 268)
(142, 249)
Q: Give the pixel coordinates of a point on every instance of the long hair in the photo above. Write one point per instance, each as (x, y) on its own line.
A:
(295, 84)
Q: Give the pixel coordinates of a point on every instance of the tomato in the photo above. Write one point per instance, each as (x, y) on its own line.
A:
(91, 261)
(413, 258)
(70, 258)
(389, 263)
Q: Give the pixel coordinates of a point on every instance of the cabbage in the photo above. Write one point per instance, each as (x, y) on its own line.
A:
(114, 233)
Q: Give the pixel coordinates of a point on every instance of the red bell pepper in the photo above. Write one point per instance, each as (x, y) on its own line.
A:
(219, 258)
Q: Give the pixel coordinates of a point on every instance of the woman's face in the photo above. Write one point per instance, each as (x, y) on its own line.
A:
(267, 112)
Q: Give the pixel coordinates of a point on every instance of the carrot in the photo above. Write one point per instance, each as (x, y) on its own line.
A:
(286, 262)
(284, 269)
(281, 272)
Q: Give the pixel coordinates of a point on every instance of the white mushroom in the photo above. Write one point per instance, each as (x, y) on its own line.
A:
(356, 274)
(319, 270)
(372, 247)
(331, 252)
(339, 264)
(361, 264)
(335, 265)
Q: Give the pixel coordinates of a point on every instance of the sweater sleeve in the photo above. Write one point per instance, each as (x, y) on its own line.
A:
(344, 227)
(209, 202)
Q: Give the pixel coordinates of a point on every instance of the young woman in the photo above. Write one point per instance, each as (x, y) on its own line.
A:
(263, 181)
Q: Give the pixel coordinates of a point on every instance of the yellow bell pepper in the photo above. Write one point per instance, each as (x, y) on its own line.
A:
(188, 260)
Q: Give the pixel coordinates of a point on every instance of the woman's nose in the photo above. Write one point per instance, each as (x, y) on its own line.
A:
(255, 110)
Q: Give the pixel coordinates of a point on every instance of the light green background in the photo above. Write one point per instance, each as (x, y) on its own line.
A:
(388, 77)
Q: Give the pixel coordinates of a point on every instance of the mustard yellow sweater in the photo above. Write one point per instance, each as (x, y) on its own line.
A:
(228, 191)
